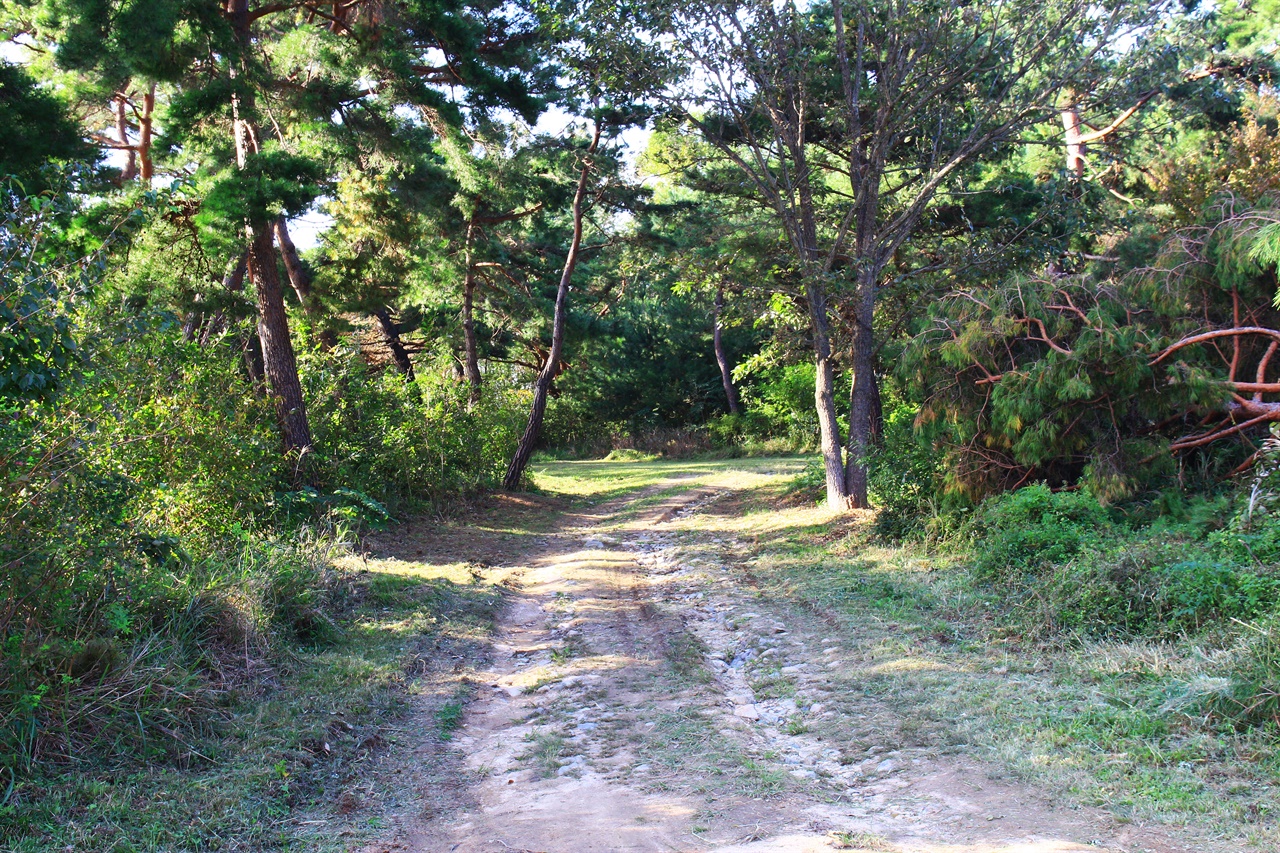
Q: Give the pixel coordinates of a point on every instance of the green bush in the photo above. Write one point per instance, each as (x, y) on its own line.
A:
(1021, 535)
(572, 427)
(1072, 571)
(905, 479)
(733, 429)
(153, 548)
(403, 443)
(781, 404)
(1151, 586)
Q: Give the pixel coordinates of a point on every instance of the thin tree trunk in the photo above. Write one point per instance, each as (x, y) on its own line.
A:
(232, 282)
(551, 368)
(824, 395)
(130, 170)
(864, 403)
(391, 337)
(192, 323)
(251, 352)
(278, 361)
(472, 362)
(824, 391)
(726, 375)
(300, 280)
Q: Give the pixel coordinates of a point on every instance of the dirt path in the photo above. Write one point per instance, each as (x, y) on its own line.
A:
(624, 709)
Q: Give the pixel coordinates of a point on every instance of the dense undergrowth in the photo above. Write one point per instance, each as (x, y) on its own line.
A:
(162, 560)
(1069, 567)
(1197, 569)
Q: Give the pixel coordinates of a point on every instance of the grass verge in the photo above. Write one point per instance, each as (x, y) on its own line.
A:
(295, 757)
(1112, 723)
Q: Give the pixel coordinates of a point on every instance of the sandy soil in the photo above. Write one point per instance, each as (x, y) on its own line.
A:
(617, 712)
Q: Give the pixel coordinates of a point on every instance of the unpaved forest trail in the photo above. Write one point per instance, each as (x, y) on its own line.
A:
(616, 713)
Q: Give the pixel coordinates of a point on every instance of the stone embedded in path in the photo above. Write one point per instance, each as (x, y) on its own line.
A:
(747, 712)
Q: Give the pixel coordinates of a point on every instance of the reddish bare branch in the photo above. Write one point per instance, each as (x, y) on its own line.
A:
(1214, 335)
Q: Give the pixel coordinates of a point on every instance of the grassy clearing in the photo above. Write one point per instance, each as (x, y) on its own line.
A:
(591, 482)
(298, 748)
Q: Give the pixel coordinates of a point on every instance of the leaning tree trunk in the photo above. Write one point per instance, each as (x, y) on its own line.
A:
(391, 337)
(300, 280)
(278, 362)
(551, 368)
(864, 403)
(726, 375)
(824, 390)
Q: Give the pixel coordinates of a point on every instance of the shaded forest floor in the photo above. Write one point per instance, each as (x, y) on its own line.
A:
(673, 656)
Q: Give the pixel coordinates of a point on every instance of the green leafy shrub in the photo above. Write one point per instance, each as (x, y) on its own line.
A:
(782, 405)
(401, 443)
(733, 429)
(1023, 534)
(1072, 571)
(153, 549)
(905, 478)
(572, 427)
(1152, 586)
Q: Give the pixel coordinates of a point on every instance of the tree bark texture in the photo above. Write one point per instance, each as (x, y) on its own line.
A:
(551, 368)
(726, 374)
(864, 403)
(824, 396)
(278, 360)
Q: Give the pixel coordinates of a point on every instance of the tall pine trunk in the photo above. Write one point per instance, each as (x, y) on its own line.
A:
(278, 361)
(824, 396)
(279, 364)
(726, 374)
(551, 368)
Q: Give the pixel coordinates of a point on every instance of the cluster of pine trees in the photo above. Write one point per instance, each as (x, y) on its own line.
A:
(957, 248)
